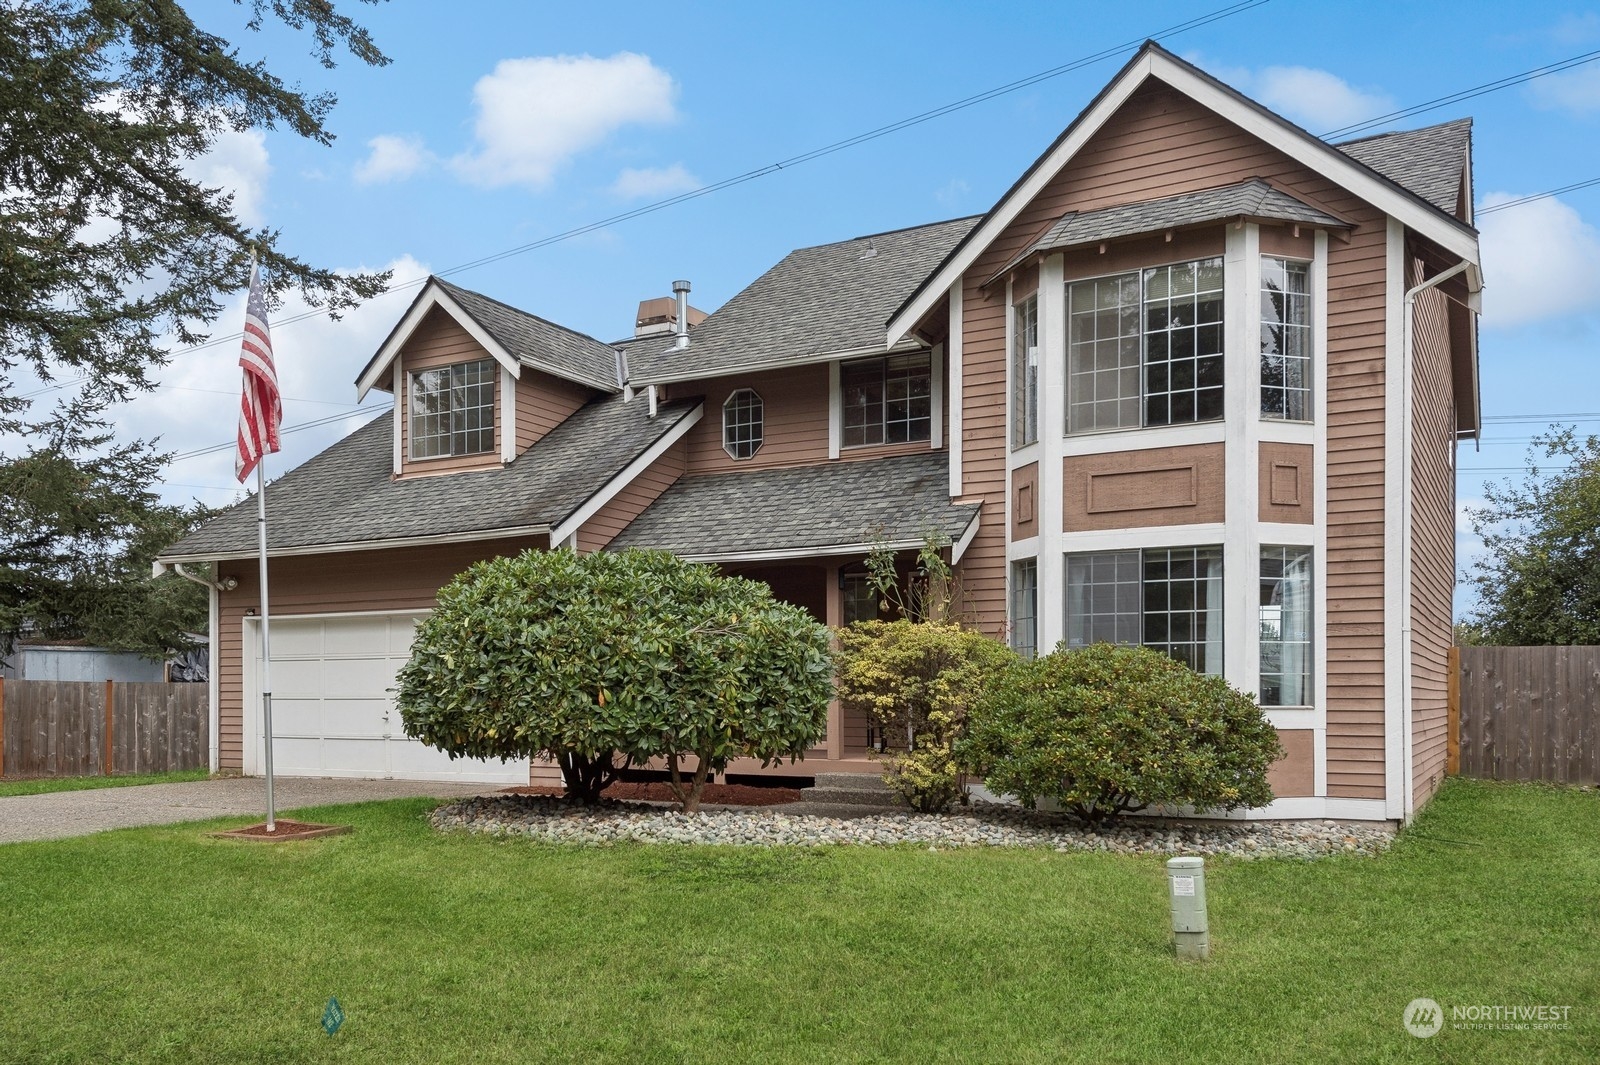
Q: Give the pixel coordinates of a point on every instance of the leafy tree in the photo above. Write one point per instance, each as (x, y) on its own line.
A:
(917, 681)
(605, 660)
(1538, 579)
(1107, 730)
(79, 540)
(109, 250)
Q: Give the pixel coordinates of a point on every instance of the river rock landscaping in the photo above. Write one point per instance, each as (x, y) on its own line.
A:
(980, 825)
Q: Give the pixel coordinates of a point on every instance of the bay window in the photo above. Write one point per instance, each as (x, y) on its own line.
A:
(1167, 598)
(1025, 607)
(1285, 621)
(1145, 348)
(1025, 374)
(1285, 339)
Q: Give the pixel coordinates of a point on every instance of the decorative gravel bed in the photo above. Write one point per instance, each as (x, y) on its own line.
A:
(982, 825)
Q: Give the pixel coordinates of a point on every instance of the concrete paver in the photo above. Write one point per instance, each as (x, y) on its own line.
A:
(60, 814)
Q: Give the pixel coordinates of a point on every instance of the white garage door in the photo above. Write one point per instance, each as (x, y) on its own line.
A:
(332, 712)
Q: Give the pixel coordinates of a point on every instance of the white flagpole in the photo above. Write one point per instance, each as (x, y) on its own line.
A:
(266, 614)
(266, 637)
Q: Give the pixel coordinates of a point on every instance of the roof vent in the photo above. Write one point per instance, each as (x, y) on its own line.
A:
(680, 330)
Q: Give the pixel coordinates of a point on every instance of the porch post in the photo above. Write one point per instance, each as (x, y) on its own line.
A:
(835, 618)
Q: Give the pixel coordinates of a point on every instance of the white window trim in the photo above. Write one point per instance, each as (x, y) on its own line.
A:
(953, 351)
(1319, 353)
(759, 441)
(1139, 271)
(411, 449)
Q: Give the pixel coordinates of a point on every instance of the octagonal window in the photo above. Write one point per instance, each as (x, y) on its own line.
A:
(742, 424)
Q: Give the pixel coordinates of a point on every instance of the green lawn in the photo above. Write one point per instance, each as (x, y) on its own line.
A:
(166, 945)
(44, 784)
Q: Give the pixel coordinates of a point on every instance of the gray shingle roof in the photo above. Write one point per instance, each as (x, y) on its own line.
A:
(816, 301)
(563, 351)
(842, 504)
(345, 494)
(1427, 161)
(1252, 198)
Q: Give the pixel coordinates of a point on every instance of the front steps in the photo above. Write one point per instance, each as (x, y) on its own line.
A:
(848, 794)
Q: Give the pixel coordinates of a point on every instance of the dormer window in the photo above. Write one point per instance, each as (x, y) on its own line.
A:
(452, 410)
(743, 422)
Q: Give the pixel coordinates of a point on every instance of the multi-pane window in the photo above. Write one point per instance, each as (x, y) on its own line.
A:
(742, 424)
(1025, 374)
(1103, 354)
(1025, 607)
(1285, 339)
(1167, 598)
(452, 410)
(1286, 626)
(887, 401)
(861, 598)
(1145, 348)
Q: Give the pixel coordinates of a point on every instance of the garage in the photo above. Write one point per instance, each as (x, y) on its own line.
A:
(333, 714)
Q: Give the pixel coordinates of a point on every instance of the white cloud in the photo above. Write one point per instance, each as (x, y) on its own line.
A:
(1541, 259)
(1576, 29)
(654, 182)
(237, 163)
(952, 193)
(1316, 99)
(394, 157)
(1575, 90)
(536, 113)
(197, 405)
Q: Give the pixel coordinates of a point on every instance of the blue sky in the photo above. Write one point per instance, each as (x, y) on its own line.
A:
(499, 124)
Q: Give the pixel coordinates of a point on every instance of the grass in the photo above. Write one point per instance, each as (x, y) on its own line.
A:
(42, 785)
(165, 945)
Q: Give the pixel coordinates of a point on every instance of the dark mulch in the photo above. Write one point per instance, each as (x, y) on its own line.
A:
(285, 832)
(714, 794)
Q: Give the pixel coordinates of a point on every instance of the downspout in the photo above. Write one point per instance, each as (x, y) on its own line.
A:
(1407, 322)
(213, 680)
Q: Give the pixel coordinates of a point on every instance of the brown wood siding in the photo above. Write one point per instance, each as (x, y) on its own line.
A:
(794, 412)
(1025, 501)
(1288, 483)
(1432, 537)
(439, 340)
(359, 581)
(629, 503)
(1281, 241)
(1140, 489)
(1295, 773)
(1161, 143)
(544, 401)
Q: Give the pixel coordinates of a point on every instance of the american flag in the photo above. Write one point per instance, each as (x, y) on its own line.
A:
(260, 407)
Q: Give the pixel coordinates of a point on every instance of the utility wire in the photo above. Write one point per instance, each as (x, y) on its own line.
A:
(328, 420)
(1466, 94)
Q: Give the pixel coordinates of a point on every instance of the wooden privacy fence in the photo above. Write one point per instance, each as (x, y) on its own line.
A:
(1527, 713)
(68, 728)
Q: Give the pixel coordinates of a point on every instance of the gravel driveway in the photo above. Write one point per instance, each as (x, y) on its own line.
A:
(79, 813)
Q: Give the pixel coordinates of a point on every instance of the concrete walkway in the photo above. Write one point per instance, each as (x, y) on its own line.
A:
(78, 813)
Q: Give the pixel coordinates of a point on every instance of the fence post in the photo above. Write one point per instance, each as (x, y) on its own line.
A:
(110, 765)
(1452, 757)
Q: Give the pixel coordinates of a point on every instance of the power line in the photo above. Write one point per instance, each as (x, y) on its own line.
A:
(1538, 196)
(330, 419)
(1466, 94)
(759, 172)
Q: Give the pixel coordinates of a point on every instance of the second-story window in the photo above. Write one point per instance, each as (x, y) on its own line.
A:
(1285, 339)
(742, 424)
(1145, 348)
(887, 401)
(452, 410)
(1025, 374)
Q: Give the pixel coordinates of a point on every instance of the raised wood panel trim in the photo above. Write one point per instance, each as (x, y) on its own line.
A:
(1141, 489)
(1288, 491)
(1024, 501)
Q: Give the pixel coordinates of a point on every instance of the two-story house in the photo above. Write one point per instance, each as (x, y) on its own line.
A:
(1195, 381)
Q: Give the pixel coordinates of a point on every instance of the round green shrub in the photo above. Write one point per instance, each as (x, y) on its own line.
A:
(607, 659)
(1106, 730)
